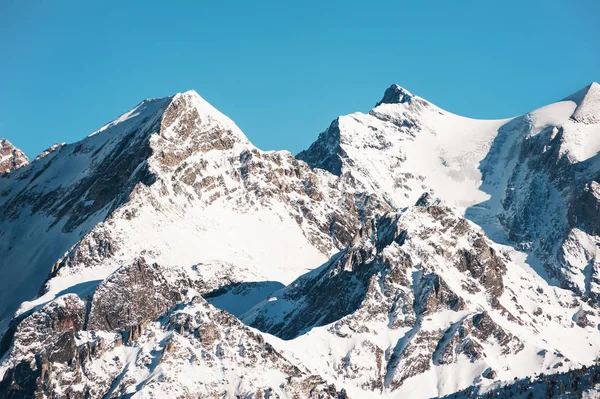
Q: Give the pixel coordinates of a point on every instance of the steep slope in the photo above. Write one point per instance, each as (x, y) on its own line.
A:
(132, 338)
(219, 205)
(11, 158)
(529, 181)
(49, 205)
(406, 145)
(543, 194)
(423, 304)
(115, 251)
(176, 181)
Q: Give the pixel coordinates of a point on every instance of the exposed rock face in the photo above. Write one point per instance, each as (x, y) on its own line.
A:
(395, 95)
(133, 295)
(339, 287)
(11, 158)
(45, 348)
(387, 277)
(484, 265)
(185, 123)
(307, 194)
(557, 200)
(465, 337)
(434, 295)
(326, 153)
(122, 234)
(68, 349)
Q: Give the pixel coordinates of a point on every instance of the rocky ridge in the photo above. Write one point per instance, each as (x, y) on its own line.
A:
(417, 291)
(126, 338)
(127, 241)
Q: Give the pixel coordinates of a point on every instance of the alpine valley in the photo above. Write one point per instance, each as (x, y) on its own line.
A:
(408, 252)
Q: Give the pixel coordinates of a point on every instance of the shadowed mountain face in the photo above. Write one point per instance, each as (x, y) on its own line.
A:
(407, 252)
(542, 177)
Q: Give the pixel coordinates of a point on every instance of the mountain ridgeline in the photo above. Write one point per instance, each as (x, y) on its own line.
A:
(408, 252)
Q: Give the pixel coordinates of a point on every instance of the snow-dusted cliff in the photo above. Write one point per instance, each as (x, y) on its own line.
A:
(407, 252)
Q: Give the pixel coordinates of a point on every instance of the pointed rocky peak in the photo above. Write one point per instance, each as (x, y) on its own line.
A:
(190, 118)
(11, 158)
(395, 94)
(588, 104)
(326, 152)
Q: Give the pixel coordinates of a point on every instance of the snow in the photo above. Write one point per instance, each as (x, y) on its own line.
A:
(443, 154)
(588, 104)
(246, 239)
(35, 240)
(557, 337)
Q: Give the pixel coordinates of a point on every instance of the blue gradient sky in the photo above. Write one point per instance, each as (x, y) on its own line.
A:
(282, 70)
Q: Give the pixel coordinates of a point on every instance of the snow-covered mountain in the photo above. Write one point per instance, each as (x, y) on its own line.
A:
(407, 252)
(529, 181)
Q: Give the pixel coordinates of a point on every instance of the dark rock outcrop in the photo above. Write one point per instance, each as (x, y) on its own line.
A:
(395, 95)
(133, 295)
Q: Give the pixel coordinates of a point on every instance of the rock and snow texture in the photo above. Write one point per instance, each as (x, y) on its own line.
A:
(407, 252)
(423, 302)
(530, 181)
(49, 150)
(113, 347)
(11, 158)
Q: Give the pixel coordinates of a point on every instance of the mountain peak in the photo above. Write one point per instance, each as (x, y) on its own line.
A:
(395, 94)
(190, 114)
(11, 157)
(588, 104)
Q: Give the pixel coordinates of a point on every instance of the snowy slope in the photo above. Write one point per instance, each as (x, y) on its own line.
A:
(69, 349)
(214, 204)
(176, 181)
(50, 204)
(108, 244)
(399, 149)
(423, 305)
(525, 180)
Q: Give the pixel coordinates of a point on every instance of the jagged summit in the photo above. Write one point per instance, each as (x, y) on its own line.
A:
(72, 188)
(11, 158)
(193, 110)
(414, 252)
(395, 94)
(188, 109)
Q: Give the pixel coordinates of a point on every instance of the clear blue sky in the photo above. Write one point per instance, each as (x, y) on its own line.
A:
(282, 70)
